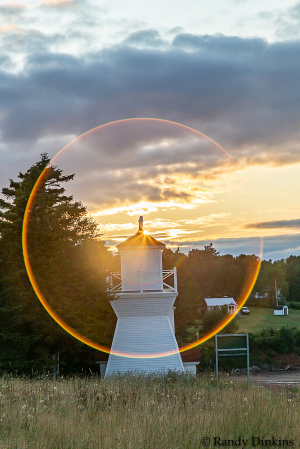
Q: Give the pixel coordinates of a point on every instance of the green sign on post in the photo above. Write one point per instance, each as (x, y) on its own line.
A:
(232, 345)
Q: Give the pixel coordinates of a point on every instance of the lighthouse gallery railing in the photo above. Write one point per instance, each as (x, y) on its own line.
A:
(144, 282)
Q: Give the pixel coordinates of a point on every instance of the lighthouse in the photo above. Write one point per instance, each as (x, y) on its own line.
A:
(144, 339)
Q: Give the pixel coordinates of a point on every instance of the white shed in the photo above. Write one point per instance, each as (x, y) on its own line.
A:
(190, 360)
(281, 310)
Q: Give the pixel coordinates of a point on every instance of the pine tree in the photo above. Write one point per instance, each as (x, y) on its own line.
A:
(69, 262)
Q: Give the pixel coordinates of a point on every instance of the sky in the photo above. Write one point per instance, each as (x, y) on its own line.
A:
(218, 159)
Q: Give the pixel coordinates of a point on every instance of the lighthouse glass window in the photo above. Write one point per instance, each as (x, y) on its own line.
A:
(141, 270)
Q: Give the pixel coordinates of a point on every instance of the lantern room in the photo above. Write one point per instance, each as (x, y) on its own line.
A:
(141, 265)
(144, 306)
(141, 262)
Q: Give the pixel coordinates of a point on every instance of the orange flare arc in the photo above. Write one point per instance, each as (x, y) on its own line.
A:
(56, 317)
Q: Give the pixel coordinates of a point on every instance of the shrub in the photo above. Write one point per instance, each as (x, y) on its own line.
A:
(283, 341)
(293, 305)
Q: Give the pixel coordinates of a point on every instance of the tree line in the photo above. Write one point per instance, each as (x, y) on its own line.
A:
(71, 261)
(205, 273)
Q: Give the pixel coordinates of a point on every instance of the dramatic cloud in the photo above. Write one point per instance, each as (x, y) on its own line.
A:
(228, 84)
(241, 92)
(293, 224)
(275, 247)
(143, 160)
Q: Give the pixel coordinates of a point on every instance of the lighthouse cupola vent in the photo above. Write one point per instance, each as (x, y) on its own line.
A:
(141, 224)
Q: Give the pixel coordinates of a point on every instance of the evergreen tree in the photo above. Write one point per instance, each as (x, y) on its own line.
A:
(69, 262)
(293, 277)
(204, 273)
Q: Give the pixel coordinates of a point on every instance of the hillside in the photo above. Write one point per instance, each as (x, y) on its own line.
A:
(260, 319)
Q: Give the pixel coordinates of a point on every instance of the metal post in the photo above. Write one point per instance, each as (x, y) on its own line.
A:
(175, 279)
(248, 360)
(217, 365)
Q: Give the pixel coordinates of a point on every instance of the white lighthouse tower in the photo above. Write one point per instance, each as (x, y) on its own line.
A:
(145, 310)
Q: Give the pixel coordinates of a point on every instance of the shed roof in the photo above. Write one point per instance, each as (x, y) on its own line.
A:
(140, 239)
(219, 301)
(191, 355)
(279, 307)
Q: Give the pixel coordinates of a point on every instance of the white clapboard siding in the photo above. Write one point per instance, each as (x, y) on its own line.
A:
(144, 336)
(144, 305)
(171, 318)
(141, 269)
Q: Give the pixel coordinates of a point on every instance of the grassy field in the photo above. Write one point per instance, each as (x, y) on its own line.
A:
(260, 319)
(138, 413)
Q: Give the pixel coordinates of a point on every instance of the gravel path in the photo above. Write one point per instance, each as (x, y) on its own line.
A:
(279, 377)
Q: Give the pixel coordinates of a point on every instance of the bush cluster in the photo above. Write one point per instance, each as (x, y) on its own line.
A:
(282, 341)
(293, 305)
(265, 346)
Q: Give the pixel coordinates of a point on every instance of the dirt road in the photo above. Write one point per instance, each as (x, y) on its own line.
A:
(279, 377)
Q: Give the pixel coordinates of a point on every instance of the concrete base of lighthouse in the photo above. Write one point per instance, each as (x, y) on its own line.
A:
(145, 327)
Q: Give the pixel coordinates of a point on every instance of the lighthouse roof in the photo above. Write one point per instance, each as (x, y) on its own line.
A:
(140, 239)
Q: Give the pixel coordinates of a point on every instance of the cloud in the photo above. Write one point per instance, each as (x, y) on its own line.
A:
(175, 30)
(110, 227)
(209, 220)
(126, 164)
(241, 92)
(8, 27)
(144, 38)
(59, 3)
(293, 224)
(18, 42)
(275, 247)
(12, 10)
(280, 23)
(287, 23)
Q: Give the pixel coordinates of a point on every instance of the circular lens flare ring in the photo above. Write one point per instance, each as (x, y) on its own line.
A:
(142, 119)
(57, 318)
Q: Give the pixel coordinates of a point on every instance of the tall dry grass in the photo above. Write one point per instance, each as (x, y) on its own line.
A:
(135, 412)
